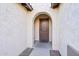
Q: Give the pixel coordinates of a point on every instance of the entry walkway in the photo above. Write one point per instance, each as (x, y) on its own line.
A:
(41, 49)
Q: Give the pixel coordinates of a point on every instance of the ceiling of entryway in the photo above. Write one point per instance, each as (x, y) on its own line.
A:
(43, 5)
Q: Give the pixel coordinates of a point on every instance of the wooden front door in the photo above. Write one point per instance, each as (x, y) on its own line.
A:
(44, 30)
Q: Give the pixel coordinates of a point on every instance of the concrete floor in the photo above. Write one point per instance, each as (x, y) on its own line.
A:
(41, 49)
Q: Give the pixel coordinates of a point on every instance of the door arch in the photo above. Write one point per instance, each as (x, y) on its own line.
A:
(36, 24)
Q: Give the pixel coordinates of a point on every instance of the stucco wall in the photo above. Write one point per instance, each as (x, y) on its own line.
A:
(17, 27)
(73, 26)
(13, 29)
(36, 29)
(68, 16)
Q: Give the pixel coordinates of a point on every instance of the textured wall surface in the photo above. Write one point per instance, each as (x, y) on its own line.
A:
(17, 27)
(12, 29)
(69, 27)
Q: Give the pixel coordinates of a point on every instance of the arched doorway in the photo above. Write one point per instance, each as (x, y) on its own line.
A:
(42, 28)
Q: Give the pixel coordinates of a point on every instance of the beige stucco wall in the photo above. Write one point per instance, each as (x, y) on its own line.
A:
(69, 27)
(17, 27)
(36, 29)
(50, 30)
(13, 29)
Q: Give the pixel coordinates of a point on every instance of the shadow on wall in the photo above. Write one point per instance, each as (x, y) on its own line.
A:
(71, 51)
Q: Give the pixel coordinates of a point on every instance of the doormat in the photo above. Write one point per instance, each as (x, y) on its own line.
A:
(54, 53)
(26, 52)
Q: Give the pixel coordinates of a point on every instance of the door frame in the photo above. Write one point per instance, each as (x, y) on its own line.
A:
(33, 33)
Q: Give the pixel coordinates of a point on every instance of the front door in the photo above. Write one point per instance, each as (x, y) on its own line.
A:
(44, 30)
